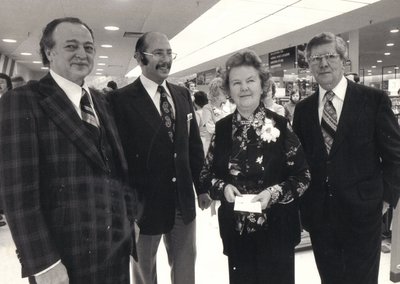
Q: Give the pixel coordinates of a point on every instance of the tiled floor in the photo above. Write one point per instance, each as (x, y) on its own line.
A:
(211, 267)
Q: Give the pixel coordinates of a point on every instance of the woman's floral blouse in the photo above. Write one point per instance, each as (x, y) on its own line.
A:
(246, 166)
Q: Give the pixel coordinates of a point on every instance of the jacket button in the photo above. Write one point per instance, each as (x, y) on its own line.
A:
(174, 179)
(175, 155)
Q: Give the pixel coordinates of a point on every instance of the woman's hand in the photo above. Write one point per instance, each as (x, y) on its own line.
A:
(264, 197)
(230, 192)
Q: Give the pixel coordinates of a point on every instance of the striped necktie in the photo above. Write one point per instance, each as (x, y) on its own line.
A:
(88, 116)
(167, 115)
(329, 121)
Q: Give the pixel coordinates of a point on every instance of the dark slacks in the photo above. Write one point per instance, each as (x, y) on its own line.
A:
(347, 249)
(180, 244)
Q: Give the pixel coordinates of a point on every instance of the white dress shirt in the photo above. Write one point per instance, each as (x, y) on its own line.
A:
(151, 88)
(337, 100)
(73, 92)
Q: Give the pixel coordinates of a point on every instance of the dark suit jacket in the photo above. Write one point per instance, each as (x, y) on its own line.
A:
(363, 167)
(162, 172)
(59, 197)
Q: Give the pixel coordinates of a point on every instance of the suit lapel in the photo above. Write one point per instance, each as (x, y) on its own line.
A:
(180, 114)
(60, 110)
(353, 103)
(315, 122)
(109, 127)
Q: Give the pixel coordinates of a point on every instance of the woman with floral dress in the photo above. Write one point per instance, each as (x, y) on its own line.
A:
(254, 151)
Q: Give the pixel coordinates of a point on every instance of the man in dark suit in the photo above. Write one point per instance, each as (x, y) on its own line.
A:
(162, 145)
(62, 169)
(352, 143)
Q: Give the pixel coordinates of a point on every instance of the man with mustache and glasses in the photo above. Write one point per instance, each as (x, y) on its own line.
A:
(351, 139)
(161, 139)
(63, 175)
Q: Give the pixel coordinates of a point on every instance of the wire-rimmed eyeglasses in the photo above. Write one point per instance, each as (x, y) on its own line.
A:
(161, 54)
(330, 57)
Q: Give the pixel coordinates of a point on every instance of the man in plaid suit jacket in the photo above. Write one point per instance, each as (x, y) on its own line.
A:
(69, 211)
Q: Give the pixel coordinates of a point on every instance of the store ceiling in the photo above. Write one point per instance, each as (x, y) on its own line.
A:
(23, 20)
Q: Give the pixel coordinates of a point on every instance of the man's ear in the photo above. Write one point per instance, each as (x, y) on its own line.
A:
(49, 54)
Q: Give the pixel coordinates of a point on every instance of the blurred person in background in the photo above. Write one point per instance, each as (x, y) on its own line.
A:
(213, 111)
(253, 151)
(269, 97)
(5, 84)
(200, 100)
(18, 81)
(294, 98)
(112, 85)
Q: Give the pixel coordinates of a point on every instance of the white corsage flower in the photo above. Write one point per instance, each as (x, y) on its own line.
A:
(268, 131)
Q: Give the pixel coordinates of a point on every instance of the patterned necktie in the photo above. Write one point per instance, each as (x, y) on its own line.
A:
(88, 116)
(167, 115)
(329, 121)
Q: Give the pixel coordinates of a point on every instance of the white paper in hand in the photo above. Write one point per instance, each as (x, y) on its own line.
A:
(243, 203)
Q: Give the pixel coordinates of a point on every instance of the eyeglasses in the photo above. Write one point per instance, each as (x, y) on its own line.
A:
(161, 54)
(330, 57)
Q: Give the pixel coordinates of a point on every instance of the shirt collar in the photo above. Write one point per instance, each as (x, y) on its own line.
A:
(339, 90)
(151, 86)
(72, 90)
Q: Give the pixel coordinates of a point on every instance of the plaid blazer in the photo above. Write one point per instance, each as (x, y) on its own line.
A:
(59, 197)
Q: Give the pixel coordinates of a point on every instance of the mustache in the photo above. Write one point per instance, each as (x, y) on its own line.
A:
(164, 65)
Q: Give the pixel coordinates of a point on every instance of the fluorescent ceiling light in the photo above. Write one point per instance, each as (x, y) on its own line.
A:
(394, 31)
(101, 64)
(44, 68)
(238, 24)
(379, 61)
(111, 28)
(103, 56)
(387, 53)
(106, 45)
(9, 40)
(26, 53)
(37, 62)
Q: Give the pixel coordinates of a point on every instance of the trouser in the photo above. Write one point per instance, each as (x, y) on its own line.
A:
(347, 249)
(180, 244)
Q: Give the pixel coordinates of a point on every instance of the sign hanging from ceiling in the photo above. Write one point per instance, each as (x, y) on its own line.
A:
(282, 59)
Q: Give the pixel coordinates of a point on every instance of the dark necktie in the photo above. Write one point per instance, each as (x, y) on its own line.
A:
(329, 121)
(167, 115)
(88, 116)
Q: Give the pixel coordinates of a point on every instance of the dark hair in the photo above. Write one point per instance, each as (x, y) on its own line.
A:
(141, 46)
(356, 77)
(200, 98)
(328, 37)
(244, 58)
(8, 80)
(293, 91)
(47, 41)
(112, 85)
(17, 79)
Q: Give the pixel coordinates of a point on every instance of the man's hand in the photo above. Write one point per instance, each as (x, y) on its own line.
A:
(57, 275)
(230, 192)
(263, 197)
(204, 201)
